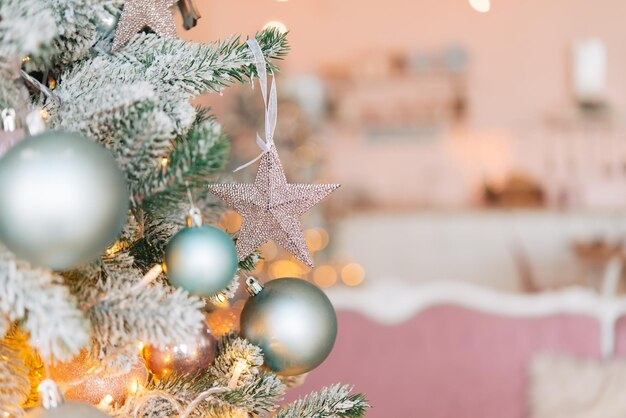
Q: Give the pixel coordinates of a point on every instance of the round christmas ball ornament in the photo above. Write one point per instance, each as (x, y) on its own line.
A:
(201, 259)
(63, 199)
(292, 321)
(183, 358)
(54, 406)
(81, 379)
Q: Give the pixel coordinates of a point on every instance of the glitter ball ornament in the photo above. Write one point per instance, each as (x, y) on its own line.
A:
(201, 259)
(63, 200)
(292, 321)
(183, 358)
(81, 379)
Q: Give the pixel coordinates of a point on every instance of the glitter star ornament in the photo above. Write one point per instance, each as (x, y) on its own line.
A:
(138, 14)
(271, 208)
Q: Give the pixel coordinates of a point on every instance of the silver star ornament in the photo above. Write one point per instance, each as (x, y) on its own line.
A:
(138, 14)
(271, 208)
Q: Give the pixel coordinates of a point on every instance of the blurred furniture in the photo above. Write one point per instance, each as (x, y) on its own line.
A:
(476, 246)
(453, 350)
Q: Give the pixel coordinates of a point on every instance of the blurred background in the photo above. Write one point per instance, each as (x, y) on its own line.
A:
(480, 143)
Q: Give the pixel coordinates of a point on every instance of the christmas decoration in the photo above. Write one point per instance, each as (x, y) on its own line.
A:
(292, 321)
(223, 321)
(62, 199)
(271, 207)
(189, 12)
(138, 14)
(136, 104)
(185, 357)
(10, 135)
(201, 259)
(54, 406)
(82, 379)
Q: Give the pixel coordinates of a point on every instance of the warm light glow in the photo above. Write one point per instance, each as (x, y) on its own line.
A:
(482, 6)
(140, 346)
(44, 114)
(282, 28)
(325, 276)
(231, 221)
(269, 251)
(313, 239)
(285, 268)
(115, 248)
(25, 59)
(164, 162)
(352, 274)
(220, 300)
(105, 402)
(133, 387)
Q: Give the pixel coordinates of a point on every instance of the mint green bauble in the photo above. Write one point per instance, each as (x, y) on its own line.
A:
(68, 409)
(293, 322)
(202, 260)
(63, 199)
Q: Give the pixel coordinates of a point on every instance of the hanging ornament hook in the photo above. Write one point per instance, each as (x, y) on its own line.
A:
(194, 216)
(270, 103)
(253, 286)
(50, 394)
(8, 120)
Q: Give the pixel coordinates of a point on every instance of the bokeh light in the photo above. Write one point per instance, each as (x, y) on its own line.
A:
(231, 221)
(325, 276)
(285, 268)
(352, 274)
(280, 26)
(482, 6)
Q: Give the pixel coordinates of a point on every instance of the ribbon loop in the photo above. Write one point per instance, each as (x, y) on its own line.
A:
(269, 103)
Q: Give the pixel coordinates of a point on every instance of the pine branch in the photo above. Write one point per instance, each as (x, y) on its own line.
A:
(14, 384)
(17, 20)
(47, 310)
(123, 314)
(196, 156)
(330, 402)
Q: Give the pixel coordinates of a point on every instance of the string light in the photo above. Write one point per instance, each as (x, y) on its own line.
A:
(106, 402)
(240, 366)
(164, 162)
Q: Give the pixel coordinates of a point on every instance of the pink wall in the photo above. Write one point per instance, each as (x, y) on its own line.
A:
(519, 49)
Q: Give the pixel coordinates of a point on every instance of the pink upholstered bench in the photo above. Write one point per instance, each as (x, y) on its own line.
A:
(458, 351)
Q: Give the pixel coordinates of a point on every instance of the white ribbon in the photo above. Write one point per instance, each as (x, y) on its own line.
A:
(270, 104)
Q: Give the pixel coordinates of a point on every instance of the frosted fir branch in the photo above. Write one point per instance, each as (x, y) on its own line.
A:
(231, 351)
(38, 298)
(17, 20)
(14, 384)
(330, 402)
(184, 69)
(259, 395)
(196, 155)
(123, 314)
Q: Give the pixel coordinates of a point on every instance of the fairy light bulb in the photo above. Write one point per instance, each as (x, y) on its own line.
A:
(482, 6)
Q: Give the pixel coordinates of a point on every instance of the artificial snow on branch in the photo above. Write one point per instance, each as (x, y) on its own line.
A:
(330, 402)
(45, 306)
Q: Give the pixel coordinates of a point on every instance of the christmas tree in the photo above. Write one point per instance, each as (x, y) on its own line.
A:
(108, 262)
